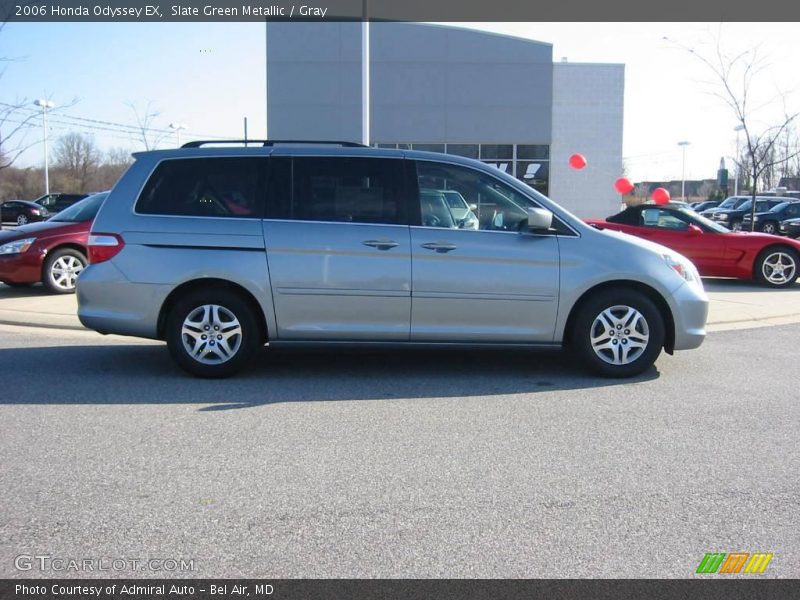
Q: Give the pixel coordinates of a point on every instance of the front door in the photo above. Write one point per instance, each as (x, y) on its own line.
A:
(338, 248)
(494, 283)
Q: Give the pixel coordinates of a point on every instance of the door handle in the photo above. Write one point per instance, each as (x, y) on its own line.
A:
(381, 244)
(440, 247)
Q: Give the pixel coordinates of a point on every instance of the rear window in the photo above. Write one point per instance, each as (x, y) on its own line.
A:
(205, 187)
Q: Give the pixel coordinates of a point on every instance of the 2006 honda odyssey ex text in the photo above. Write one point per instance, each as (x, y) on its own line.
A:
(220, 250)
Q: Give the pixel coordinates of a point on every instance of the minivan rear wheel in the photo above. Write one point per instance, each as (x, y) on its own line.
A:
(618, 333)
(212, 333)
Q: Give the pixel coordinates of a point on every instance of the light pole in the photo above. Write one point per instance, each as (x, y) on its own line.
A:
(45, 104)
(365, 58)
(683, 145)
(177, 127)
(737, 129)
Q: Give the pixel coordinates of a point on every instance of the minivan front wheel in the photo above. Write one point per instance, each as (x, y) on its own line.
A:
(212, 333)
(618, 333)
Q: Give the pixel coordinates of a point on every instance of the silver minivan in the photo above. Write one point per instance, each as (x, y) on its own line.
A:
(221, 250)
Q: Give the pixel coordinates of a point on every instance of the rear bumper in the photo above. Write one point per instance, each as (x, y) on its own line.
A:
(109, 303)
(689, 306)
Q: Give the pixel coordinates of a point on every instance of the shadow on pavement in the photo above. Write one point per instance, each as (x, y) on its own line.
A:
(140, 374)
(720, 284)
(29, 291)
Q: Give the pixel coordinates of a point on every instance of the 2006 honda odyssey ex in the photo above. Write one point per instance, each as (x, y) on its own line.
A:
(220, 250)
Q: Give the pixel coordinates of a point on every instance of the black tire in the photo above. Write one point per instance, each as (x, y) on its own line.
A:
(789, 260)
(61, 270)
(770, 227)
(649, 326)
(216, 365)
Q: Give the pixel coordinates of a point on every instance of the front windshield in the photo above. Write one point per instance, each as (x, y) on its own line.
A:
(728, 203)
(779, 207)
(85, 210)
(701, 220)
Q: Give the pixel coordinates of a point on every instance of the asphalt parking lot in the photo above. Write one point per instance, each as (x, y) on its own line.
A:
(401, 464)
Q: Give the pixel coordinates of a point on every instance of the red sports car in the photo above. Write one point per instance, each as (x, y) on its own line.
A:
(715, 250)
(52, 251)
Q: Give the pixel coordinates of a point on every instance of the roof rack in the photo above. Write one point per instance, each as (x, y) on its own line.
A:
(267, 143)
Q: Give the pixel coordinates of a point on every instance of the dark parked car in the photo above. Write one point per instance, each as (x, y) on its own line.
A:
(55, 203)
(701, 206)
(53, 251)
(728, 203)
(22, 212)
(790, 228)
(769, 222)
(732, 218)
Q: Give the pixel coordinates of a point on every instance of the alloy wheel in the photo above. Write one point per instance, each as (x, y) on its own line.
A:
(619, 335)
(211, 334)
(22, 220)
(769, 228)
(65, 270)
(779, 268)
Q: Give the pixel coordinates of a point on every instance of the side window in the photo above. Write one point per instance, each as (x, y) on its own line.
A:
(793, 210)
(664, 219)
(456, 197)
(204, 187)
(345, 190)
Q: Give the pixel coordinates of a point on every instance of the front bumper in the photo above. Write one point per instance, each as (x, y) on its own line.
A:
(689, 306)
(789, 230)
(25, 267)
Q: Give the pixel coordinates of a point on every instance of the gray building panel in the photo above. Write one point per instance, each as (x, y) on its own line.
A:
(428, 83)
(314, 81)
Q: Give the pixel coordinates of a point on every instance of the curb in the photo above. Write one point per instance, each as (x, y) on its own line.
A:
(41, 325)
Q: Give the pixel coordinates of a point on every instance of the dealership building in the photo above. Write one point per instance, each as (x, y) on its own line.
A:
(496, 98)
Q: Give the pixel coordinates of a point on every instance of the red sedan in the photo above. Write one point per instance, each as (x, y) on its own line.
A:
(52, 251)
(715, 250)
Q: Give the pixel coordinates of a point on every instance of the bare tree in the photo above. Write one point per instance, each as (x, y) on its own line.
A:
(149, 136)
(77, 155)
(16, 121)
(735, 78)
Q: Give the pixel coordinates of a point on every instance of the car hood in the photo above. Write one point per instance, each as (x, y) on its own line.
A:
(765, 213)
(42, 228)
(636, 240)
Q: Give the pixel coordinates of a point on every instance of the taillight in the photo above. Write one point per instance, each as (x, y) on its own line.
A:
(104, 246)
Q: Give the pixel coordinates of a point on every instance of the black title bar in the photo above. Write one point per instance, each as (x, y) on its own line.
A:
(397, 10)
(377, 589)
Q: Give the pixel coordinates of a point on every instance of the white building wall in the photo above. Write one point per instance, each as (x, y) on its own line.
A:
(587, 119)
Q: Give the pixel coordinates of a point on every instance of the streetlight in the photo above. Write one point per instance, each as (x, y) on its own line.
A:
(683, 145)
(45, 104)
(737, 129)
(177, 127)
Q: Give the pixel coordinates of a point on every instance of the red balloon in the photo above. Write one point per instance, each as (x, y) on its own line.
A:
(623, 185)
(577, 161)
(660, 196)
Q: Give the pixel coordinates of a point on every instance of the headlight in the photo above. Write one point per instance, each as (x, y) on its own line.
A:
(722, 217)
(17, 246)
(682, 267)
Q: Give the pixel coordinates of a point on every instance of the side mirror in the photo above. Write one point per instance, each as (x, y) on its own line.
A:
(694, 229)
(473, 207)
(539, 219)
